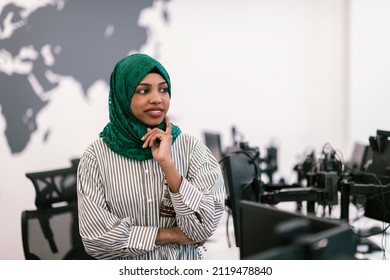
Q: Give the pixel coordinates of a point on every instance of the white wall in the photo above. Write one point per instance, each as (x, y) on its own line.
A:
(369, 64)
(276, 69)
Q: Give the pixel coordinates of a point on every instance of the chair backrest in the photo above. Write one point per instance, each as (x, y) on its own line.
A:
(54, 186)
(75, 162)
(52, 234)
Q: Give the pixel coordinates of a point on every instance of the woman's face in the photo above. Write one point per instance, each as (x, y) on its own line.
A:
(150, 101)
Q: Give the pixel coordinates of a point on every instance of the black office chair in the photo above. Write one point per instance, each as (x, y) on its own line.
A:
(54, 186)
(52, 234)
(75, 162)
(51, 231)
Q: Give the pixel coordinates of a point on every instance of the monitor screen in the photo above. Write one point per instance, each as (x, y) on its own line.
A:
(239, 171)
(270, 233)
(380, 165)
(213, 142)
(358, 157)
(377, 205)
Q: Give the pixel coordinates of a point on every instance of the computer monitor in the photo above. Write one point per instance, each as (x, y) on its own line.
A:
(213, 142)
(359, 157)
(377, 205)
(380, 165)
(240, 174)
(270, 233)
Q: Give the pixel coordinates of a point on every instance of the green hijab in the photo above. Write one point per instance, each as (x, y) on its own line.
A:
(124, 131)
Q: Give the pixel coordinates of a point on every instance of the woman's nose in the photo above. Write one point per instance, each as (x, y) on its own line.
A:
(155, 97)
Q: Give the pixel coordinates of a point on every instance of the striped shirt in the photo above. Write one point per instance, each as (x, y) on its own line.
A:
(119, 201)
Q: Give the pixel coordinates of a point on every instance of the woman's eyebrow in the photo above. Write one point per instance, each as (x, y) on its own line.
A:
(147, 84)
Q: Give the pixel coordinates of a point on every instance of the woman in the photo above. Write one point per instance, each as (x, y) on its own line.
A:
(146, 190)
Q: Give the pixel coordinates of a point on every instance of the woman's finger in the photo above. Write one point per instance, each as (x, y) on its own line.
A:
(152, 137)
(156, 135)
(169, 126)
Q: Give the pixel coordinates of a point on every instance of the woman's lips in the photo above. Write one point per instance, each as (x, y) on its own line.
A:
(154, 112)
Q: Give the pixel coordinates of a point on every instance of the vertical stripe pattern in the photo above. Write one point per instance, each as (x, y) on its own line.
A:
(119, 201)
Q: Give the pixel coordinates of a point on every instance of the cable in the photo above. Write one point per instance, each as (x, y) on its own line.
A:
(251, 157)
(227, 230)
(384, 229)
(387, 210)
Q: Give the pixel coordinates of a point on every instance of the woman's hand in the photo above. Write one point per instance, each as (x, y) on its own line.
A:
(174, 235)
(160, 142)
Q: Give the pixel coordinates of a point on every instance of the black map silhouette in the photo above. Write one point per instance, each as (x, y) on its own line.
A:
(87, 53)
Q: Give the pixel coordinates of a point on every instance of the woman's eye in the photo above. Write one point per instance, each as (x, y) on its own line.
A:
(164, 89)
(143, 91)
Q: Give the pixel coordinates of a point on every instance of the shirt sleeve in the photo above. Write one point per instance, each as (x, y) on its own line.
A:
(199, 204)
(104, 235)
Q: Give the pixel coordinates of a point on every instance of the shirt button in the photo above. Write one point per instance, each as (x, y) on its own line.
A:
(146, 171)
(150, 200)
